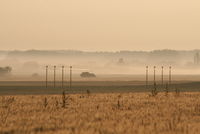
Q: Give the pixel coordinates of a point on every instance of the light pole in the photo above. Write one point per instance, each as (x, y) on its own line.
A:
(63, 76)
(154, 78)
(147, 76)
(170, 75)
(46, 76)
(70, 82)
(54, 76)
(162, 76)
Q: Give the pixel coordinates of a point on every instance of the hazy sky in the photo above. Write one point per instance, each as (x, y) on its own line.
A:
(100, 24)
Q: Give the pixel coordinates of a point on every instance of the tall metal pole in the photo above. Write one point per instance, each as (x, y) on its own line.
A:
(46, 76)
(170, 75)
(154, 78)
(54, 76)
(70, 82)
(63, 76)
(147, 76)
(162, 78)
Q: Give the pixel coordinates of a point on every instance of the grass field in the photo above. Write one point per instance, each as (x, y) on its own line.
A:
(102, 113)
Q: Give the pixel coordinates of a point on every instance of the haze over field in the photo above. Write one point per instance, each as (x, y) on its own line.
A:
(111, 37)
(100, 66)
(101, 63)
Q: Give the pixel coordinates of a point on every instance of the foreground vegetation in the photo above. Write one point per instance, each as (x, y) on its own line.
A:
(110, 113)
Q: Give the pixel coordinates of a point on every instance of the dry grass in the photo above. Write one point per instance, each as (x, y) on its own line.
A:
(126, 113)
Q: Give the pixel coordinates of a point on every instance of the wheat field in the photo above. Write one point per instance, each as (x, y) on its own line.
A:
(109, 113)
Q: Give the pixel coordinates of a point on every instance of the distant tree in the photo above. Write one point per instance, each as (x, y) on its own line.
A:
(35, 75)
(5, 70)
(196, 58)
(87, 75)
(121, 61)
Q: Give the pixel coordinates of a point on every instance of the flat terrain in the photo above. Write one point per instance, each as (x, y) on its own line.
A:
(26, 85)
(103, 113)
(39, 87)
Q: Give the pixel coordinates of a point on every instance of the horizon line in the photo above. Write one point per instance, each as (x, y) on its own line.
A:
(25, 50)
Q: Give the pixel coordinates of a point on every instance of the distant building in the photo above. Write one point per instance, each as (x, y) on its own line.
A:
(196, 59)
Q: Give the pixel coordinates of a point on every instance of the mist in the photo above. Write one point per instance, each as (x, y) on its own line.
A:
(32, 63)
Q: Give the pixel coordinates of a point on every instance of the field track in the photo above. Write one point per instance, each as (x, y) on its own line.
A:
(39, 87)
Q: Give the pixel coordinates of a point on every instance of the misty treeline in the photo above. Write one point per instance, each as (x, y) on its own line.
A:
(156, 53)
(137, 57)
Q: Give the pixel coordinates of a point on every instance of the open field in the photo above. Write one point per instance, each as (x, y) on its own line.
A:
(38, 87)
(101, 84)
(102, 77)
(104, 113)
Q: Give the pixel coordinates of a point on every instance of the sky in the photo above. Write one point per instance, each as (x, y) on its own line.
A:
(100, 25)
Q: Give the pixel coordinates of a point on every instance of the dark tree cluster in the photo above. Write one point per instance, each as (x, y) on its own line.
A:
(5, 70)
(87, 75)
